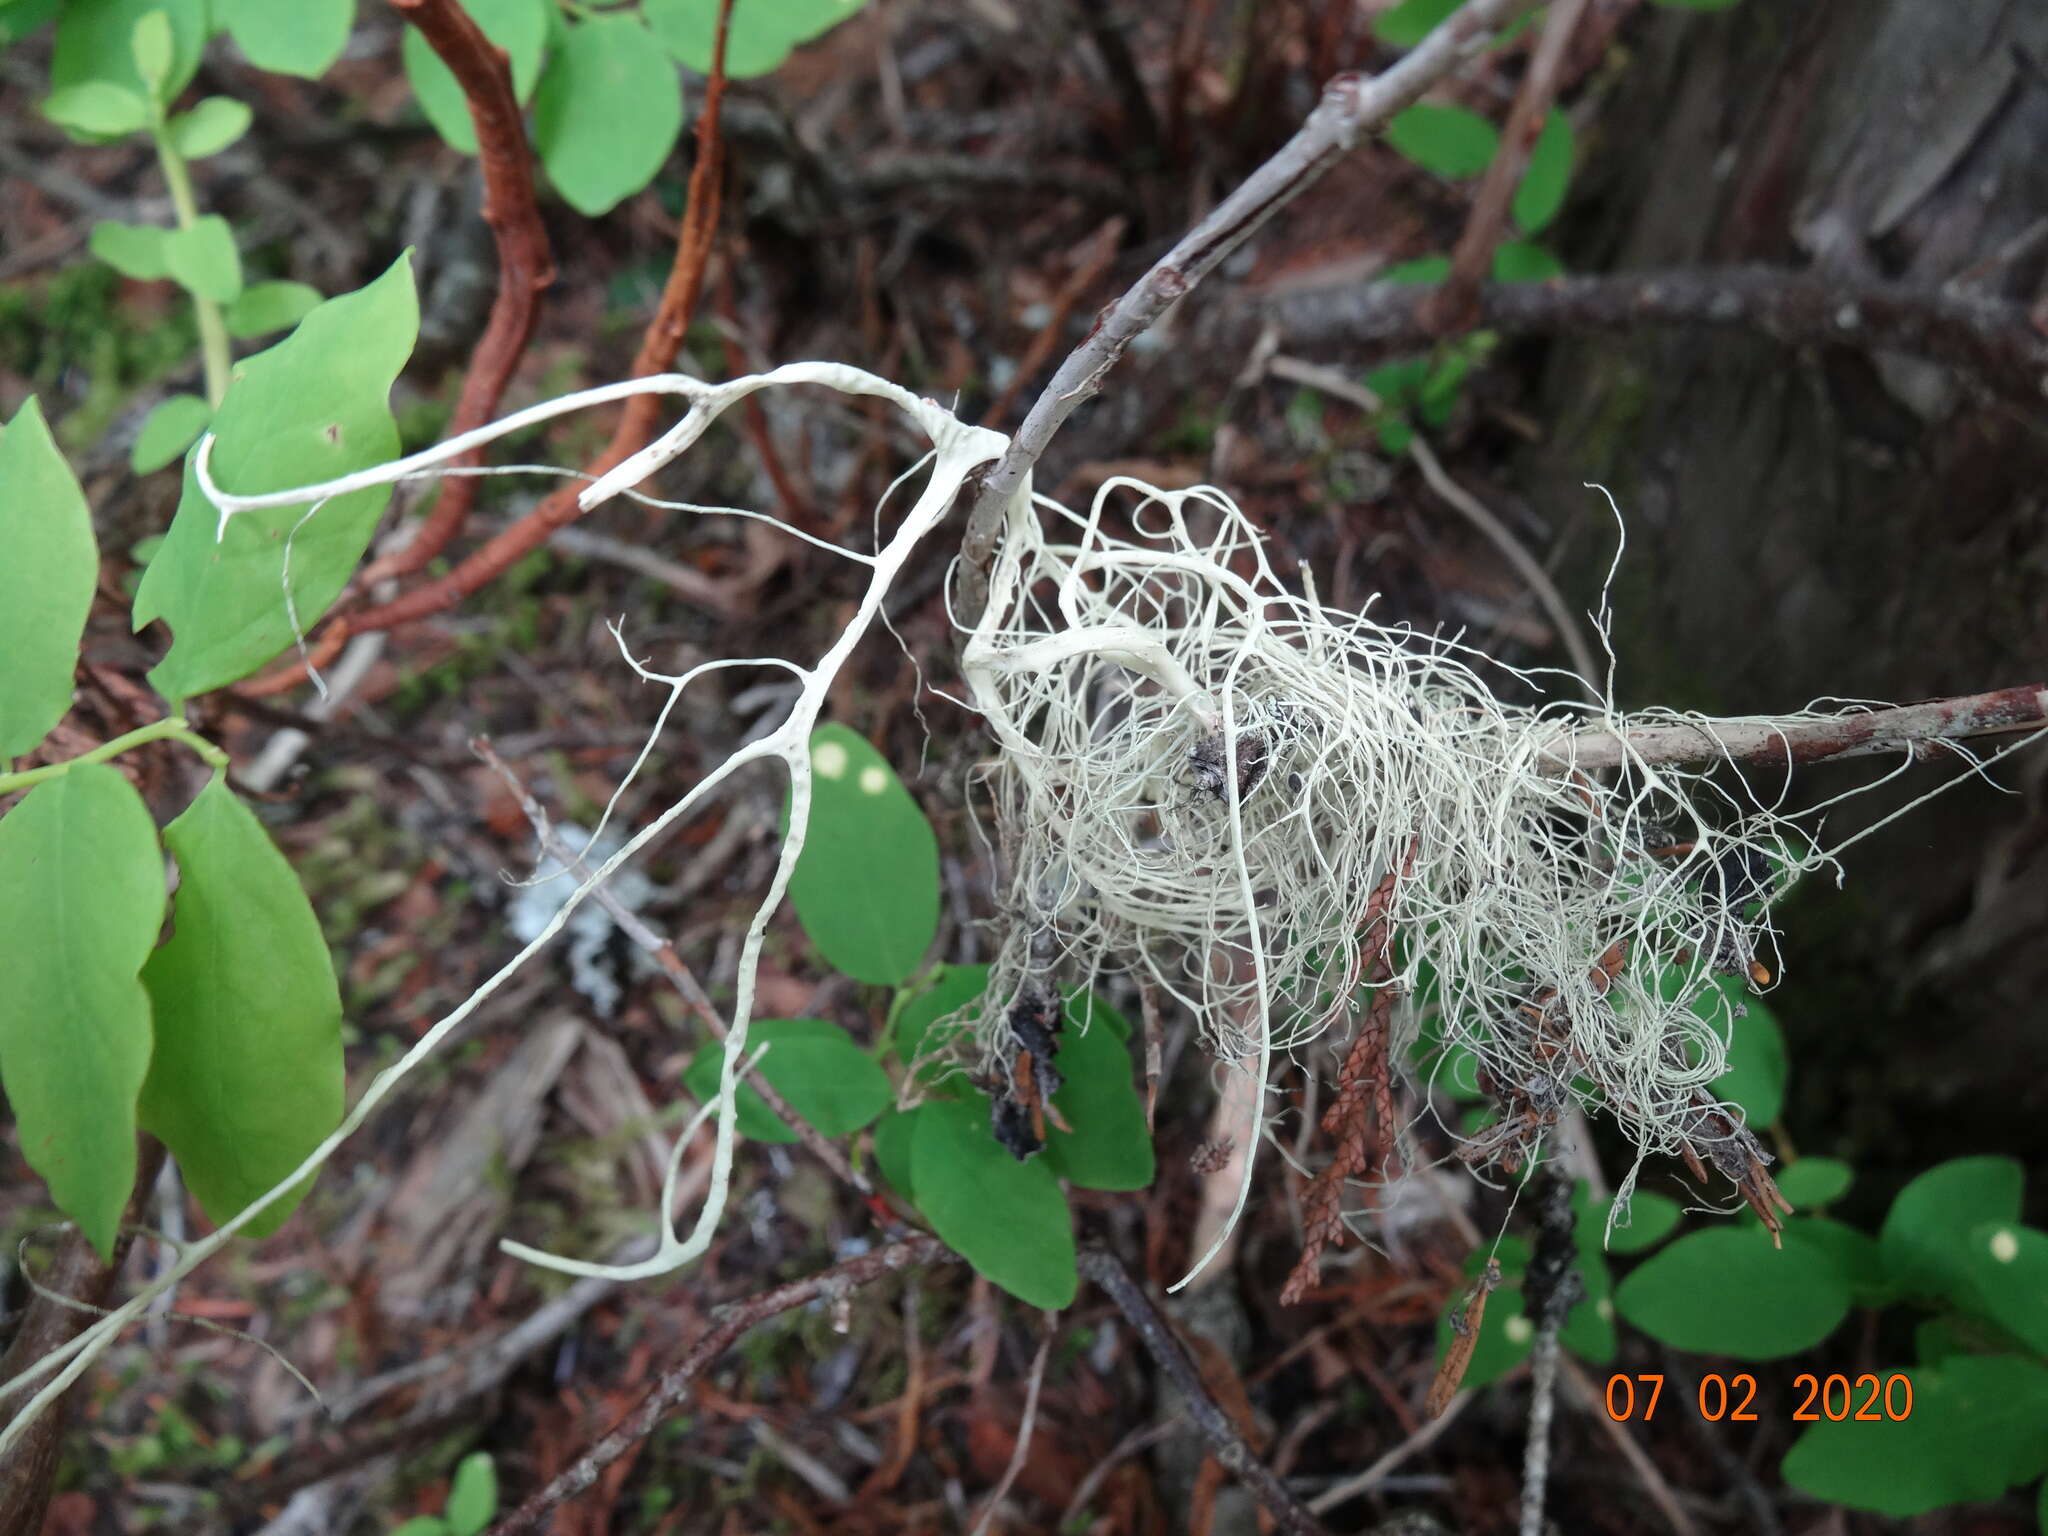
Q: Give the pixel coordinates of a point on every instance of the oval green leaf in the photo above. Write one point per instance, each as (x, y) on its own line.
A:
(951, 988)
(1411, 21)
(1815, 1181)
(247, 1076)
(209, 127)
(202, 257)
(760, 37)
(2007, 1266)
(97, 109)
(1930, 1221)
(815, 1065)
(473, 1496)
(262, 308)
(81, 899)
(302, 38)
(866, 887)
(1548, 173)
(1758, 1067)
(46, 580)
(1649, 1218)
(1108, 1146)
(133, 250)
(895, 1133)
(167, 432)
(96, 41)
(607, 112)
(1727, 1291)
(152, 46)
(1978, 1426)
(1519, 261)
(1450, 141)
(520, 27)
(1006, 1218)
(311, 407)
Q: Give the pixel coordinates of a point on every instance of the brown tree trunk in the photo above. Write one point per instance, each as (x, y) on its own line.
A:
(1824, 522)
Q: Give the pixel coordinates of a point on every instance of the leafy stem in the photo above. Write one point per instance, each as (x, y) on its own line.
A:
(213, 330)
(171, 727)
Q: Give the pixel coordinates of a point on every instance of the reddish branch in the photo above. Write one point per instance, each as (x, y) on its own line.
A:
(658, 349)
(1352, 107)
(1992, 339)
(677, 1383)
(1452, 306)
(525, 265)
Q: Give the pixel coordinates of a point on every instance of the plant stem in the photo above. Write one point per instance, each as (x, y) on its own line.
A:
(172, 727)
(213, 330)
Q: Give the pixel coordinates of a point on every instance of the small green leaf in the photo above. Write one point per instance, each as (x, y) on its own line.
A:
(866, 887)
(97, 108)
(2007, 1267)
(302, 38)
(1651, 1218)
(1978, 1426)
(1008, 1219)
(1450, 141)
(21, 17)
(826, 1078)
(81, 899)
(171, 428)
(950, 988)
(153, 48)
(1398, 383)
(1517, 261)
(606, 113)
(1853, 1254)
(895, 1133)
(133, 250)
(311, 407)
(1411, 21)
(1423, 269)
(761, 36)
(1815, 1180)
(262, 308)
(1727, 1291)
(46, 581)
(1927, 1229)
(1108, 1147)
(209, 127)
(203, 258)
(473, 1498)
(96, 41)
(247, 1076)
(520, 27)
(1395, 434)
(1546, 177)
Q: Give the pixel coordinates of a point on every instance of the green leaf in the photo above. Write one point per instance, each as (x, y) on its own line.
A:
(1545, 178)
(866, 887)
(133, 250)
(1727, 1291)
(2007, 1268)
(46, 582)
(1757, 1064)
(153, 48)
(423, 1525)
(81, 899)
(96, 41)
(1815, 1180)
(209, 127)
(606, 113)
(97, 108)
(520, 27)
(1517, 261)
(171, 428)
(1008, 1219)
(473, 1499)
(951, 987)
(203, 258)
(302, 38)
(262, 308)
(1853, 1254)
(1978, 1426)
(760, 38)
(895, 1133)
(1411, 21)
(1929, 1224)
(311, 407)
(1423, 269)
(1109, 1147)
(1651, 1218)
(247, 1076)
(1398, 383)
(816, 1066)
(21, 17)
(1447, 140)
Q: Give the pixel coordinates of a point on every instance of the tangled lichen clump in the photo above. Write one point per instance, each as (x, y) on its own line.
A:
(1204, 777)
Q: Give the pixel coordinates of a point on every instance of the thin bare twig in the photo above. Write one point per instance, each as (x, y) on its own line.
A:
(1226, 1443)
(1548, 1291)
(525, 264)
(677, 1382)
(1452, 306)
(1993, 340)
(1364, 1482)
(1022, 1453)
(1352, 106)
